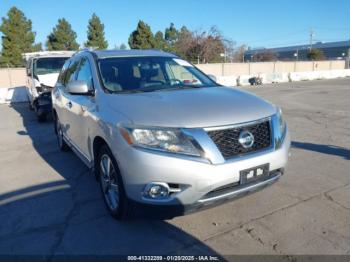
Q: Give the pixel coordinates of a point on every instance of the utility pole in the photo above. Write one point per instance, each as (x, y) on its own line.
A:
(225, 56)
(312, 33)
(9, 74)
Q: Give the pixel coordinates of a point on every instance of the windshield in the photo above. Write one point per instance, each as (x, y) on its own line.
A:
(48, 65)
(147, 74)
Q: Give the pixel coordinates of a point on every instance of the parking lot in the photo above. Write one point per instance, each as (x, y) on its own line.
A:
(50, 204)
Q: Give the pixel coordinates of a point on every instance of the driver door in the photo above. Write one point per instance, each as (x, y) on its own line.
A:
(79, 111)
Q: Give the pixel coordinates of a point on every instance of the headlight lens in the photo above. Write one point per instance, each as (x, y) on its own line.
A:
(281, 122)
(280, 128)
(168, 140)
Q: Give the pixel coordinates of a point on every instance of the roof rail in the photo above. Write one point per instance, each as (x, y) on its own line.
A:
(154, 49)
(90, 48)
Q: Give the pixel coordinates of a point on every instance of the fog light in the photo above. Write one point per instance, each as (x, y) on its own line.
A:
(156, 190)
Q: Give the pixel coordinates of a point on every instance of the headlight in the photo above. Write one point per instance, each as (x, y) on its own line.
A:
(280, 128)
(166, 140)
(281, 122)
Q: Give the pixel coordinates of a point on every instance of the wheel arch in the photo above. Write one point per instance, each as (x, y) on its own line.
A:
(97, 143)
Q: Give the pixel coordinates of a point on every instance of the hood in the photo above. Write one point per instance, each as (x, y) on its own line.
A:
(190, 108)
(48, 79)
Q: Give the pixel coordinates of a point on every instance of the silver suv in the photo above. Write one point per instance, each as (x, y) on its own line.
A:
(163, 138)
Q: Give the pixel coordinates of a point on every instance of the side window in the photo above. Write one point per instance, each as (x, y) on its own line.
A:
(84, 72)
(71, 72)
(63, 73)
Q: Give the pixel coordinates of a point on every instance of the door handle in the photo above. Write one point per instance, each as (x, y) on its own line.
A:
(69, 104)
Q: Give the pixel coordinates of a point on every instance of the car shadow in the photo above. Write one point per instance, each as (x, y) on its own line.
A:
(66, 214)
(324, 149)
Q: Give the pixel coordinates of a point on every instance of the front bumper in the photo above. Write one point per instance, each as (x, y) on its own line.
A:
(146, 210)
(197, 179)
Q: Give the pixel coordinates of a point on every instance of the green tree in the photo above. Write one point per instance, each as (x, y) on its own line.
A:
(37, 47)
(142, 37)
(184, 43)
(171, 35)
(96, 34)
(17, 38)
(62, 37)
(123, 46)
(160, 42)
(315, 54)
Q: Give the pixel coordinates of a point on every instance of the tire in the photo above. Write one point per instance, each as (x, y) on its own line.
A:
(62, 145)
(111, 184)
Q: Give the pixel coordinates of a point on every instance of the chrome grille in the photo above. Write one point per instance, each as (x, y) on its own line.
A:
(227, 139)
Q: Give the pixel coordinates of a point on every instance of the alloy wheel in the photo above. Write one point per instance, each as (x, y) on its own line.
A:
(109, 182)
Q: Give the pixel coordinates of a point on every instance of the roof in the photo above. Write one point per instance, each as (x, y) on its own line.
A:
(48, 54)
(318, 45)
(131, 53)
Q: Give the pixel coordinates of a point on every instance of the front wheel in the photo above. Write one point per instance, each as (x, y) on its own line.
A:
(111, 184)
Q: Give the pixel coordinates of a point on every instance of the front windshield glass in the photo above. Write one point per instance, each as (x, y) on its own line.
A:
(147, 74)
(48, 65)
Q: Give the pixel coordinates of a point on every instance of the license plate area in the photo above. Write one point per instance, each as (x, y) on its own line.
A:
(254, 174)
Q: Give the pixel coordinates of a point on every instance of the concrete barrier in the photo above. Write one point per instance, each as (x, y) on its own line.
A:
(316, 75)
(243, 80)
(227, 80)
(274, 78)
(299, 76)
(13, 95)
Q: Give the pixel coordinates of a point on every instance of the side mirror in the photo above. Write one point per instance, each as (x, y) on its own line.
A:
(78, 88)
(212, 77)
